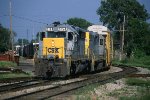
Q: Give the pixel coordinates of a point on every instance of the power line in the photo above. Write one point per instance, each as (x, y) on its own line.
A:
(4, 15)
(23, 18)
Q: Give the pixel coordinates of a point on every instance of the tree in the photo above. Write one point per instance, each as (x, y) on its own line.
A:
(22, 41)
(112, 14)
(33, 40)
(82, 23)
(5, 39)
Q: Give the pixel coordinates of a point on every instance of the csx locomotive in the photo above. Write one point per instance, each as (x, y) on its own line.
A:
(67, 50)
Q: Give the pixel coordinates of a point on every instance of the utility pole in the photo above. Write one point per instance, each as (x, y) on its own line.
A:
(122, 39)
(33, 34)
(22, 47)
(121, 30)
(123, 35)
(11, 33)
(27, 34)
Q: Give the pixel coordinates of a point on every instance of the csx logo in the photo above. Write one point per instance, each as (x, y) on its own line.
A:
(53, 50)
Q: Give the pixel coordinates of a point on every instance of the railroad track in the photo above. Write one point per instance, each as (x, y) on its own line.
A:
(54, 89)
(18, 79)
(18, 85)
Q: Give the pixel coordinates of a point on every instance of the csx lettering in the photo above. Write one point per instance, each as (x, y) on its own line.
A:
(53, 50)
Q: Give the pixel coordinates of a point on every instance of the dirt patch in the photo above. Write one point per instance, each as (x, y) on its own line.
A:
(112, 69)
(143, 70)
(103, 91)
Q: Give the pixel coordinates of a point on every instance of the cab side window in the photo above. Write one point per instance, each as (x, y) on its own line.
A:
(70, 36)
(101, 42)
(42, 35)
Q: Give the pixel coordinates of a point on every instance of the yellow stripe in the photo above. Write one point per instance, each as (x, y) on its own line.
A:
(87, 39)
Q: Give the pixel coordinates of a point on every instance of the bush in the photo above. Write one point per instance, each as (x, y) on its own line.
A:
(139, 53)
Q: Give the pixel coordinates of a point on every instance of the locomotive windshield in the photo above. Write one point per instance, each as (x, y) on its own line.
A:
(56, 35)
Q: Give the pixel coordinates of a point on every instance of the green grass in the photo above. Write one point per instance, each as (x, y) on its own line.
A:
(137, 89)
(143, 97)
(134, 61)
(4, 64)
(14, 75)
(143, 93)
(143, 89)
(137, 82)
(85, 97)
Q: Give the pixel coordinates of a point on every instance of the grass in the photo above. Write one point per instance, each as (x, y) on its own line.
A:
(79, 97)
(5, 64)
(137, 82)
(86, 89)
(14, 75)
(143, 97)
(135, 61)
(143, 89)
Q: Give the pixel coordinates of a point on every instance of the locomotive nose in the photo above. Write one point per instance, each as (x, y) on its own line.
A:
(53, 46)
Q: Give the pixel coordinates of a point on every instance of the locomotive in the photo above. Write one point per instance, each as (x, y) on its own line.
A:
(67, 50)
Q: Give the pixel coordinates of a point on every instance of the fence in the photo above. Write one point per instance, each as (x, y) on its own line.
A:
(8, 57)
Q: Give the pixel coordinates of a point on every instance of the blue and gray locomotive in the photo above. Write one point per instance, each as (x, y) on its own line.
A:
(67, 50)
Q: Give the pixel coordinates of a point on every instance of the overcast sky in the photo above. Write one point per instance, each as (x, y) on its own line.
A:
(30, 16)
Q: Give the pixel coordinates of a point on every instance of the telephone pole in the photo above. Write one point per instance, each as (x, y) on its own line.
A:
(27, 34)
(22, 47)
(122, 30)
(123, 35)
(122, 39)
(11, 33)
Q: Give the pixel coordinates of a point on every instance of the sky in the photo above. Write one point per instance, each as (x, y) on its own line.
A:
(31, 16)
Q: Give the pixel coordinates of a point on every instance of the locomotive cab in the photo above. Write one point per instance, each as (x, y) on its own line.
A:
(104, 46)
